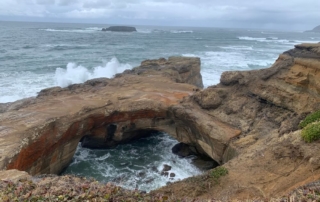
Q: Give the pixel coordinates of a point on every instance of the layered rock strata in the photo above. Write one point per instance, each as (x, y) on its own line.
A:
(40, 135)
(269, 158)
(248, 122)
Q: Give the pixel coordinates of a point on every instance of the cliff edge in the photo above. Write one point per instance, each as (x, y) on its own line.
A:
(269, 158)
(248, 123)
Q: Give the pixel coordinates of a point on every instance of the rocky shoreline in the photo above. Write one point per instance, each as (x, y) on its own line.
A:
(248, 124)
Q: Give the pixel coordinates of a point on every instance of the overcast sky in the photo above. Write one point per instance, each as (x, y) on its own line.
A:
(265, 14)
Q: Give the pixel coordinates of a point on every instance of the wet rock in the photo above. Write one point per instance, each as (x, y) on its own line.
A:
(142, 174)
(148, 181)
(154, 169)
(172, 174)
(166, 168)
(164, 173)
(182, 150)
(204, 163)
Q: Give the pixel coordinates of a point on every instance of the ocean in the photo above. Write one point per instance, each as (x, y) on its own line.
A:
(34, 56)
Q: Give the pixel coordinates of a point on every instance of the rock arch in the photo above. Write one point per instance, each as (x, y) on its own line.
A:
(40, 135)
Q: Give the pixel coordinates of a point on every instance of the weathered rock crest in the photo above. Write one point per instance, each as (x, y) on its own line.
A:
(248, 122)
(269, 158)
(40, 135)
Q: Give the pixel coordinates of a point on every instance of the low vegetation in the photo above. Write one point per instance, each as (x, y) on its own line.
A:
(311, 132)
(311, 127)
(218, 172)
(311, 118)
(71, 188)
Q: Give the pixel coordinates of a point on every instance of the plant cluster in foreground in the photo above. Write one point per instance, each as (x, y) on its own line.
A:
(311, 127)
(71, 188)
(311, 118)
(218, 172)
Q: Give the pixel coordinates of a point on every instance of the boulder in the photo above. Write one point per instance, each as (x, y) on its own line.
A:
(14, 175)
(166, 168)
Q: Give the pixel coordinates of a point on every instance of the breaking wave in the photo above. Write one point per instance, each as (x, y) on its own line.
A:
(82, 30)
(74, 73)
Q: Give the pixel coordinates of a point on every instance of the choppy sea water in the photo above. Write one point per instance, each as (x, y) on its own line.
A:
(137, 165)
(34, 56)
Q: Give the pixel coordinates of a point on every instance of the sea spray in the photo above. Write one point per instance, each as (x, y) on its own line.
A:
(74, 73)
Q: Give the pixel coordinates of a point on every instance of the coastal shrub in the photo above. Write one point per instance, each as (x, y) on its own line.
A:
(313, 117)
(218, 172)
(311, 132)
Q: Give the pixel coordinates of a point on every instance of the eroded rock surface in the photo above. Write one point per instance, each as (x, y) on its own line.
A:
(269, 158)
(248, 122)
(40, 135)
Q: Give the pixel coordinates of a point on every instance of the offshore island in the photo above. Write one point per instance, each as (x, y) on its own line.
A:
(248, 124)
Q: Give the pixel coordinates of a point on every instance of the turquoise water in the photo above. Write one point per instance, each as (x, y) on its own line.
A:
(34, 56)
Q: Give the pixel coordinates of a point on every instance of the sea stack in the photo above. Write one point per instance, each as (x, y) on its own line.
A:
(120, 29)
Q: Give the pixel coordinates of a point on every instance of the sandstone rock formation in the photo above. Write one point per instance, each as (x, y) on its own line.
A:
(248, 122)
(120, 29)
(269, 158)
(40, 135)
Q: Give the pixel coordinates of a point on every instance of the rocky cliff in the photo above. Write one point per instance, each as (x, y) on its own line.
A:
(269, 158)
(40, 135)
(248, 122)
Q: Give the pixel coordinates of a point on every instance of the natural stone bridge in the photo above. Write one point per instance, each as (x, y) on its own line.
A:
(40, 135)
(268, 159)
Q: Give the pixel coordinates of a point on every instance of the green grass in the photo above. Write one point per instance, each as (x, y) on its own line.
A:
(311, 132)
(313, 117)
(218, 172)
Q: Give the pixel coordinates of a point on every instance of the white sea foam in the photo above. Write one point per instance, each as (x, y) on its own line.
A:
(94, 28)
(252, 38)
(85, 30)
(181, 31)
(74, 73)
(275, 40)
(267, 39)
(18, 85)
(214, 63)
(145, 31)
(132, 170)
(237, 47)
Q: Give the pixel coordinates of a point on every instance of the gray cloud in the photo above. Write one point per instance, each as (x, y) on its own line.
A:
(247, 13)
